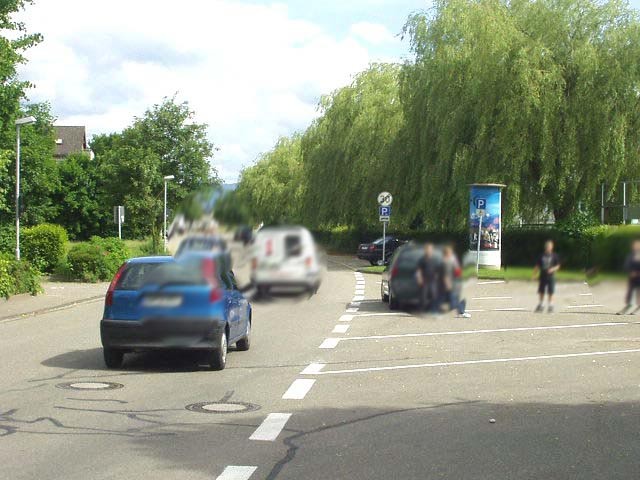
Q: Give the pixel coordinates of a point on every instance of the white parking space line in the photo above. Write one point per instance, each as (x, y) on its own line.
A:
(329, 343)
(340, 328)
(358, 298)
(491, 298)
(335, 341)
(271, 427)
(359, 291)
(509, 309)
(313, 368)
(586, 294)
(474, 311)
(352, 310)
(345, 318)
(384, 314)
(298, 389)
(477, 362)
(234, 472)
(354, 304)
(491, 282)
(591, 305)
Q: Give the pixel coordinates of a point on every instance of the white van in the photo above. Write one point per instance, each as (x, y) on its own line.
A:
(285, 257)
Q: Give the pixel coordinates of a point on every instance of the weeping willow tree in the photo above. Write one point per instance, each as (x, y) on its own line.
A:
(348, 151)
(541, 95)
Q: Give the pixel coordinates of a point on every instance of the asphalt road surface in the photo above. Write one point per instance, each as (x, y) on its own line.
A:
(507, 394)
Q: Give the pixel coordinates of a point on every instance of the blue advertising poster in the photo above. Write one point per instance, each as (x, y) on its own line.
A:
(485, 199)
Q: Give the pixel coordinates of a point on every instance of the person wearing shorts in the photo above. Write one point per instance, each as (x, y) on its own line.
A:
(547, 265)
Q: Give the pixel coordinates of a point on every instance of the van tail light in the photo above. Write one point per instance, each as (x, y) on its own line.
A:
(215, 295)
(394, 272)
(254, 264)
(372, 247)
(108, 301)
(308, 262)
(269, 247)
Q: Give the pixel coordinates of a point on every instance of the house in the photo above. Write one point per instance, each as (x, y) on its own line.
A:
(70, 139)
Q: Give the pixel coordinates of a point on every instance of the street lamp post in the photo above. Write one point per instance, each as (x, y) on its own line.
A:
(168, 178)
(19, 123)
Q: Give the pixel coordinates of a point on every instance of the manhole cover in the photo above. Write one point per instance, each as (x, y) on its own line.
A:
(90, 385)
(222, 407)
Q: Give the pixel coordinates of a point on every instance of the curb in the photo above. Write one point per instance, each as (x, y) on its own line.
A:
(64, 306)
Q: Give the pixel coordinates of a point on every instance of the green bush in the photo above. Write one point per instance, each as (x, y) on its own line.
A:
(96, 260)
(44, 246)
(7, 238)
(18, 277)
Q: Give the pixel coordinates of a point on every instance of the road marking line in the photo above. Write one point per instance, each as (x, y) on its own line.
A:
(400, 314)
(234, 472)
(491, 298)
(340, 329)
(476, 362)
(510, 309)
(313, 368)
(352, 310)
(357, 298)
(470, 332)
(355, 304)
(359, 292)
(298, 389)
(586, 294)
(473, 311)
(591, 305)
(271, 427)
(330, 343)
(345, 318)
(491, 282)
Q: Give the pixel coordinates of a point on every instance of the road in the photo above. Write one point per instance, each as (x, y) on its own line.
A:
(507, 394)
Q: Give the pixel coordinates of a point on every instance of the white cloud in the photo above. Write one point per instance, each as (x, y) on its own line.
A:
(250, 71)
(373, 33)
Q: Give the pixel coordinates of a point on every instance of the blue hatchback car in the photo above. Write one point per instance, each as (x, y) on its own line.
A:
(186, 303)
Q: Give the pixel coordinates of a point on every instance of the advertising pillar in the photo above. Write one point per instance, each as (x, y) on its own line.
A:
(485, 224)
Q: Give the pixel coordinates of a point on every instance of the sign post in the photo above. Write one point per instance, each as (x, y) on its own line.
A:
(118, 217)
(384, 200)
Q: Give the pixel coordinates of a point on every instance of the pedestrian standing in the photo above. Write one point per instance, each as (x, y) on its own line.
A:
(427, 275)
(546, 267)
(450, 284)
(632, 267)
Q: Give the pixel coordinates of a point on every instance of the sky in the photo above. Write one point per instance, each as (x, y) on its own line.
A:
(252, 70)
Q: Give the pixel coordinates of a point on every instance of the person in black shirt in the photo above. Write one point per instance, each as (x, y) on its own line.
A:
(632, 267)
(547, 265)
(427, 275)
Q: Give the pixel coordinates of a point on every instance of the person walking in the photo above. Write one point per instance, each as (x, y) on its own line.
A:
(546, 267)
(632, 267)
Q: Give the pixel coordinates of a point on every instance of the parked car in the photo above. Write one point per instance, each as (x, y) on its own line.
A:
(373, 251)
(285, 257)
(191, 303)
(201, 243)
(243, 234)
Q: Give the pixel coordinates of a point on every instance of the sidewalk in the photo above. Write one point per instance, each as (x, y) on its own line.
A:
(56, 295)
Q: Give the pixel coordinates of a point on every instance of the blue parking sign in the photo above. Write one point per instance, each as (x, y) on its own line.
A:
(385, 211)
(481, 203)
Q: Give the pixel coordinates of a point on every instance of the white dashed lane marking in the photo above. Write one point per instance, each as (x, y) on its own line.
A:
(313, 369)
(477, 362)
(340, 329)
(491, 282)
(298, 389)
(330, 343)
(492, 298)
(271, 427)
(591, 305)
(345, 318)
(235, 472)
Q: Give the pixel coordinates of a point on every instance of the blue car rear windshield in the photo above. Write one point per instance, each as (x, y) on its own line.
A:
(138, 275)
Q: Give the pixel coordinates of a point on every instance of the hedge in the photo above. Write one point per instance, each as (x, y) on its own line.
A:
(44, 246)
(18, 277)
(600, 247)
(97, 259)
